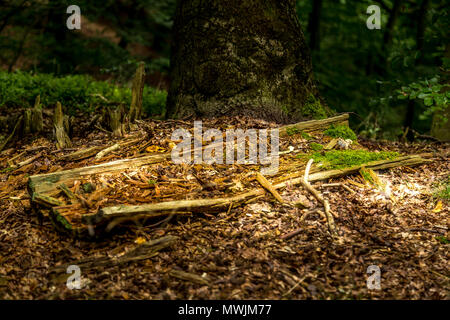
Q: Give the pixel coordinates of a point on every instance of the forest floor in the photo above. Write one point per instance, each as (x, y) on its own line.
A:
(240, 253)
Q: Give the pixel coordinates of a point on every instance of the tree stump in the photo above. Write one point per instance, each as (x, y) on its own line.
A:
(115, 121)
(37, 123)
(60, 124)
(136, 94)
(32, 118)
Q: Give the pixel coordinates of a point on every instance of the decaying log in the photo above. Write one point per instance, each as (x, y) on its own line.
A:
(60, 124)
(47, 184)
(143, 251)
(125, 212)
(45, 201)
(136, 94)
(313, 125)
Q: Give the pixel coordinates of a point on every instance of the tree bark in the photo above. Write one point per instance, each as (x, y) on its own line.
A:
(246, 57)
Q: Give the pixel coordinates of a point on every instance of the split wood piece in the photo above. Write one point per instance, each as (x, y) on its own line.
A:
(267, 185)
(318, 196)
(13, 133)
(104, 152)
(313, 125)
(331, 144)
(144, 251)
(67, 192)
(372, 178)
(136, 93)
(45, 201)
(188, 277)
(124, 212)
(60, 127)
(81, 154)
(48, 183)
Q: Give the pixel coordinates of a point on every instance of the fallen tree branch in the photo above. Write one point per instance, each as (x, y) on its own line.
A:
(318, 196)
(144, 251)
(104, 152)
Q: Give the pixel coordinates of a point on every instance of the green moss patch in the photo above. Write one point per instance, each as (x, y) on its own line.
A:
(337, 159)
(443, 190)
(316, 146)
(314, 109)
(340, 131)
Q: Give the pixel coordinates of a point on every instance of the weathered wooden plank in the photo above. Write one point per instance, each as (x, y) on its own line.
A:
(313, 125)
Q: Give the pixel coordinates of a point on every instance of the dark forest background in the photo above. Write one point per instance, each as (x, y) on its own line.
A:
(391, 78)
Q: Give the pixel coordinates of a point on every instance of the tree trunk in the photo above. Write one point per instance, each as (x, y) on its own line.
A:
(246, 57)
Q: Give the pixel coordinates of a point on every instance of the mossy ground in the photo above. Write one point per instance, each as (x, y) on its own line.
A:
(443, 190)
(340, 131)
(316, 146)
(337, 159)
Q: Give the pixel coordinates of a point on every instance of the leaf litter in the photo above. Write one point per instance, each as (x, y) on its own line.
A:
(241, 252)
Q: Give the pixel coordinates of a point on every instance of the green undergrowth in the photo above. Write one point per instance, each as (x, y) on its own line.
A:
(443, 190)
(338, 159)
(340, 131)
(75, 92)
(316, 146)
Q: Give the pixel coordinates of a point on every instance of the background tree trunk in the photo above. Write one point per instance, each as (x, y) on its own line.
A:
(241, 57)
